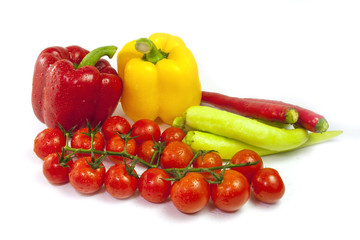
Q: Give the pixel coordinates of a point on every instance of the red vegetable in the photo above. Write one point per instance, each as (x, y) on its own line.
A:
(191, 193)
(247, 156)
(267, 185)
(113, 125)
(268, 111)
(118, 183)
(152, 185)
(54, 172)
(71, 85)
(86, 178)
(145, 129)
(82, 139)
(48, 141)
(232, 193)
(309, 120)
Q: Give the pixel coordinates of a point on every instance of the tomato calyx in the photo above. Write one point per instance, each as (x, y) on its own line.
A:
(159, 148)
(91, 131)
(64, 159)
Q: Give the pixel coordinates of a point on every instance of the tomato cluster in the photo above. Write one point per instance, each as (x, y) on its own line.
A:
(190, 180)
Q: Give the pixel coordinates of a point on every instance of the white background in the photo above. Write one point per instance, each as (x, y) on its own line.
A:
(303, 52)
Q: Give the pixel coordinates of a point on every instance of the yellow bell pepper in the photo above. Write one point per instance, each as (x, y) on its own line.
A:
(160, 78)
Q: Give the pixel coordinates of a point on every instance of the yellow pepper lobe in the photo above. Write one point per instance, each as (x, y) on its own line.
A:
(163, 89)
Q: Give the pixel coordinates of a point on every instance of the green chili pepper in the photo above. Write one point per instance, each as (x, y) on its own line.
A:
(227, 147)
(237, 127)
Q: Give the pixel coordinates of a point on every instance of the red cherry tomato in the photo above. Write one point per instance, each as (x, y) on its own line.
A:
(118, 183)
(210, 159)
(115, 124)
(145, 129)
(247, 156)
(191, 193)
(81, 140)
(267, 185)
(117, 144)
(232, 193)
(172, 134)
(176, 155)
(85, 179)
(50, 140)
(53, 171)
(146, 151)
(152, 185)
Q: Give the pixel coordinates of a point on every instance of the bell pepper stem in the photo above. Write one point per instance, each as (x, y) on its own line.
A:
(93, 57)
(151, 52)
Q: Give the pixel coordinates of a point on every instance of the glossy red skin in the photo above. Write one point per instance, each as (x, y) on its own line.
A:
(307, 118)
(146, 151)
(153, 187)
(84, 179)
(265, 110)
(81, 140)
(115, 124)
(267, 185)
(53, 171)
(176, 155)
(247, 156)
(118, 183)
(62, 94)
(211, 159)
(117, 144)
(50, 140)
(232, 193)
(145, 129)
(172, 134)
(191, 193)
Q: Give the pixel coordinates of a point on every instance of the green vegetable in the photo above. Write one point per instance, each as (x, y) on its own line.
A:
(237, 127)
(227, 147)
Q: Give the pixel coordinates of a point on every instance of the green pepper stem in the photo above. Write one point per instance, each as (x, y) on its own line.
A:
(93, 57)
(151, 52)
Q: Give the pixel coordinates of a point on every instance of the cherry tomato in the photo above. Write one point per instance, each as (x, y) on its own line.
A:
(145, 129)
(85, 179)
(50, 140)
(267, 185)
(146, 151)
(172, 134)
(152, 185)
(210, 159)
(118, 183)
(117, 144)
(176, 155)
(115, 124)
(53, 171)
(232, 193)
(81, 140)
(191, 193)
(247, 156)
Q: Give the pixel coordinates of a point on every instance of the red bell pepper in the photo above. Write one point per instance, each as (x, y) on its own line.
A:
(72, 86)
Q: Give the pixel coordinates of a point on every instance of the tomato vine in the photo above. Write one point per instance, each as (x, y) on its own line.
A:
(177, 173)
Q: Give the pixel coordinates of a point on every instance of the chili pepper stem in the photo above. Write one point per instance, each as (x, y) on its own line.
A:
(291, 116)
(93, 57)
(151, 52)
(321, 126)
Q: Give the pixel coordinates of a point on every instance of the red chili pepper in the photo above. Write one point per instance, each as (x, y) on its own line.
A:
(270, 110)
(71, 86)
(308, 119)
(250, 108)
